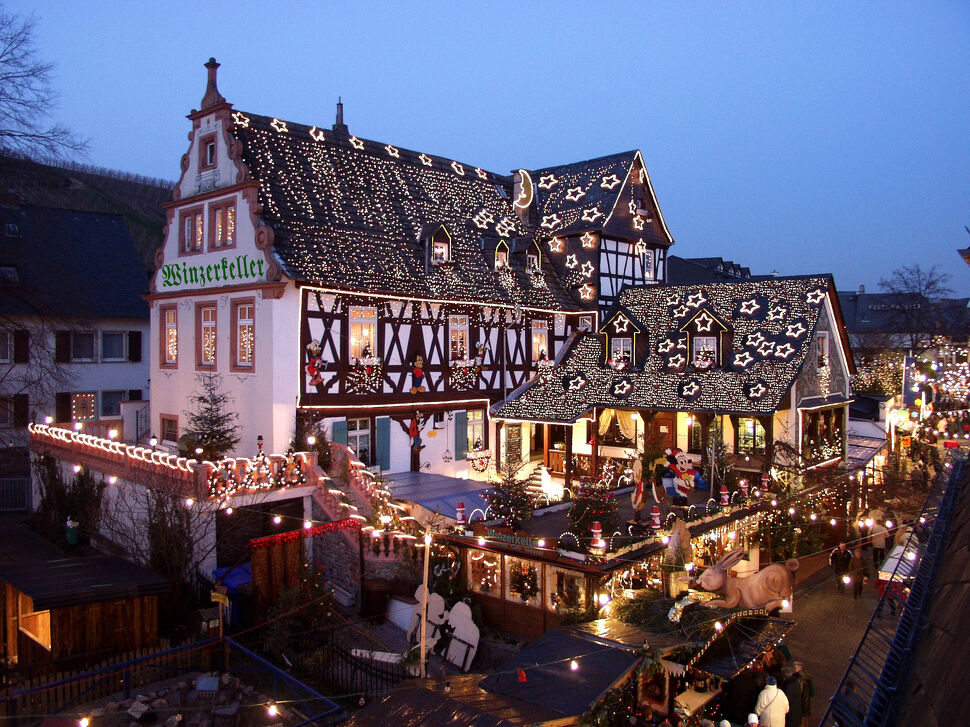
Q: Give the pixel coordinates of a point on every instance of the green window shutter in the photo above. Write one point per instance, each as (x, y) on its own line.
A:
(383, 439)
(461, 434)
(339, 433)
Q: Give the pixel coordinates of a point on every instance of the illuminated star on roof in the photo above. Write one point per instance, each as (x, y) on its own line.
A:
(633, 207)
(621, 324)
(550, 221)
(757, 391)
(587, 269)
(505, 226)
(575, 194)
(577, 382)
(622, 387)
(673, 299)
(777, 313)
(743, 359)
(316, 134)
(690, 388)
(586, 291)
(460, 169)
(571, 261)
(638, 222)
(756, 339)
(748, 307)
(392, 151)
(696, 300)
(356, 143)
(610, 182)
(681, 311)
(589, 240)
(796, 330)
(241, 119)
(784, 351)
(665, 346)
(555, 244)
(815, 296)
(425, 159)
(481, 173)
(591, 215)
(704, 322)
(641, 246)
(676, 361)
(766, 348)
(548, 182)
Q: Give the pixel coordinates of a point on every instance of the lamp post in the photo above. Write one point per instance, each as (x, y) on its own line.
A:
(153, 441)
(424, 602)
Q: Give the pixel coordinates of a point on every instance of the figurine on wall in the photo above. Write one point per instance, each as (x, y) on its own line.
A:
(417, 375)
(315, 363)
(766, 588)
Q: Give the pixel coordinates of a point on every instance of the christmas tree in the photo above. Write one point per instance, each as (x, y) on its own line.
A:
(508, 499)
(212, 425)
(592, 502)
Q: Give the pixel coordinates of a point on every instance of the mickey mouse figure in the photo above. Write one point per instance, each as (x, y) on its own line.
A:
(417, 375)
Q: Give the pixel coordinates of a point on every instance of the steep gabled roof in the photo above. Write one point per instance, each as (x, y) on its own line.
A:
(347, 213)
(773, 323)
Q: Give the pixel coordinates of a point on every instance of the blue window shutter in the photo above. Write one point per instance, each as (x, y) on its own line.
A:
(383, 436)
(339, 432)
(461, 434)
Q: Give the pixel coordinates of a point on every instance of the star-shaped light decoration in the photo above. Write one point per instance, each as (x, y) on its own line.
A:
(356, 143)
(704, 321)
(241, 119)
(548, 182)
(549, 221)
(666, 346)
(576, 382)
(459, 168)
(777, 313)
(638, 222)
(621, 324)
(610, 182)
(574, 194)
(481, 173)
(784, 351)
(505, 227)
(392, 151)
(316, 134)
(749, 307)
(643, 175)
(587, 269)
(591, 215)
(682, 343)
(681, 311)
(696, 300)
(571, 261)
(743, 359)
(757, 391)
(556, 244)
(641, 246)
(766, 348)
(425, 159)
(278, 125)
(633, 207)
(814, 297)
(589, 240)
(673, 299)
(622, 388)
(756, 339)
(796, 330)
(586, 291)
(690, 389)
(676, 361)
(480, 222)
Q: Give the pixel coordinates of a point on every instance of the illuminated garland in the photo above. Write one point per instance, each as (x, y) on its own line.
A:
(304, 532)
(289, 471)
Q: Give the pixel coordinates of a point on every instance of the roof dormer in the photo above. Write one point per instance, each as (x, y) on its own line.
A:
(624, 338)
(707, 340)
(437, 245)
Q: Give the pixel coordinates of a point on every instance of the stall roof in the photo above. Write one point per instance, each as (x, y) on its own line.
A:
(73, 581)
(423, 706)
(739, 643)
(861, 450)
(552, 683)
(614, 630)
(437, 493)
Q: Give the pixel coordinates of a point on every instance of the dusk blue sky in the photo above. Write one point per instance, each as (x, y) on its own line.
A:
(800, 137)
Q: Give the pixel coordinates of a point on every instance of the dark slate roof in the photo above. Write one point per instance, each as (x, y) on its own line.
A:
(739, 643)
(69, 264)
(549, 679)
(348, 213)
(704, 270)
(770, 344)
(73, 581)
(888, 313)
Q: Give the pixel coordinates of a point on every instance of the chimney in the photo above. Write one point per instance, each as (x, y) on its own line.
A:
(212, 96)
(862, 289)
(340, 127)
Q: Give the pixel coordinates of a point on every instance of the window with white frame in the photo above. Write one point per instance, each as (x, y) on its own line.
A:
(458, 337)
(441, 246)
(207, 335)
(223, 222)
(358, 438)
(112, 346)
(476, 429)
(532, 260)
(82, 346)
(705, 351)
(621, 349)
(245, 334)
(363, 332)
(585, 323)
(648, 272)
(540, 340)
(111, 402)
(192, 232)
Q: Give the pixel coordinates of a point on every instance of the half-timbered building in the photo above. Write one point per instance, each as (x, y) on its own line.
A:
(390, 295)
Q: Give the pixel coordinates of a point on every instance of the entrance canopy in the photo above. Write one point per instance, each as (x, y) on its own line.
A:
(438, 493)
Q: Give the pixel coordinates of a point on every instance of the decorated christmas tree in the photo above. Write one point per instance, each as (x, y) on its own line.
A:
(593, 502)
(508, 499)
(213, 423)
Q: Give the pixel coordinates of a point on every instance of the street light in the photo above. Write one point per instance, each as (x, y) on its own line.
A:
(153, 441)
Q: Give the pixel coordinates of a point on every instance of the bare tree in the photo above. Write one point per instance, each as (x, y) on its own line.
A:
(26, 96)
(917, 306)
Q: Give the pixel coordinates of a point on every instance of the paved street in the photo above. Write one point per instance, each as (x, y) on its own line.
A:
(828, 631)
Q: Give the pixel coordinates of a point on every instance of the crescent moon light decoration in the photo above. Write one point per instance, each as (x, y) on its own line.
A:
(526, 191)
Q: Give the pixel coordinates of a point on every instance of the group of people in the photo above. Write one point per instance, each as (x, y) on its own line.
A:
(773, 692)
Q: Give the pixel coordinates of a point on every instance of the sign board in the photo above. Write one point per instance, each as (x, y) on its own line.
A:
(219, 598)
(905, 442)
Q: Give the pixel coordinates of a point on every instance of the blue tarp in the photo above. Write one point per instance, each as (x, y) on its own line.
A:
(239, 576)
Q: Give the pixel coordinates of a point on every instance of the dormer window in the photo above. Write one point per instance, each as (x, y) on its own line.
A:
(533, 262)
(441, 247)
(621, 350)
(704, 355)
(823, 350)
(501, 255)
(706, 334)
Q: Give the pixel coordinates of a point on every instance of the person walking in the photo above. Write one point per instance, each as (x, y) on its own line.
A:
(791, 685)
(772, 705)
(878, 534)
(808, 691)
(857, 571)
(840, 560)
